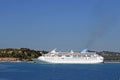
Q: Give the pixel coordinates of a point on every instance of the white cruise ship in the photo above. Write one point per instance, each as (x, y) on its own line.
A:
(83, 57)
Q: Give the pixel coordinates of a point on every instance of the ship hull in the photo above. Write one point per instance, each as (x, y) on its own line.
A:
(70, 60)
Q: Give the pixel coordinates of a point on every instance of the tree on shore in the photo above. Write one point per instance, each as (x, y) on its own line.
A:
(22, 53)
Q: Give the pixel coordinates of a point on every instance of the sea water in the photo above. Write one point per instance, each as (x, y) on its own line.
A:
(35, 71)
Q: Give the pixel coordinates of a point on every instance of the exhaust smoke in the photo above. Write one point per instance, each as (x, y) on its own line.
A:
(106, 19)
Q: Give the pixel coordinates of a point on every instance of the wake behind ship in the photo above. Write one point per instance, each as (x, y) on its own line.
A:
(83, 57)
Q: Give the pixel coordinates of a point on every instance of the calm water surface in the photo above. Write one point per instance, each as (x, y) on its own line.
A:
(31, 71)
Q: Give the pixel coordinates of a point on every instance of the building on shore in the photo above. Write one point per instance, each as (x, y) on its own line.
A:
(9, 59)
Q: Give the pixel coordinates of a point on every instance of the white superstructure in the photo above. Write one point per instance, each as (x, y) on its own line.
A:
(71, 57)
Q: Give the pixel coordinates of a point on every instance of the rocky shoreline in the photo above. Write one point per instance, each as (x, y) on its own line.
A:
(111, 62)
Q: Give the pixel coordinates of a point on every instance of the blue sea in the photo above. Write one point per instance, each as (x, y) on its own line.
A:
(34, 71)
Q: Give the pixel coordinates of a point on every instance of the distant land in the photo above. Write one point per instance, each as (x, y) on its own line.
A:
(22, 54)
(26, 54)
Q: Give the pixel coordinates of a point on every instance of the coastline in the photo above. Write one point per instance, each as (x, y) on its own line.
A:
(17, 60)
(108, 62)
(111, 62)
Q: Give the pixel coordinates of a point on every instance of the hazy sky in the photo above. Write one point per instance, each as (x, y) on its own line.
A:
(62, 24)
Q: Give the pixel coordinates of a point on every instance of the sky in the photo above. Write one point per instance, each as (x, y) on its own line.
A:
(61, 24)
